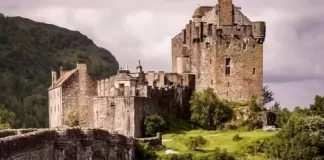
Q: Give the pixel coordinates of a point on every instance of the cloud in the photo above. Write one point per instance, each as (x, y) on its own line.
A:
(142, 30)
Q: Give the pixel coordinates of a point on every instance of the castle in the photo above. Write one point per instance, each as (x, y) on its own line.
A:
(219, 49)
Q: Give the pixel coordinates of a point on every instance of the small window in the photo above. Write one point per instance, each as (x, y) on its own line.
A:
(254, 46)
(227, 44)
(253, 71)
(210, 61)
(228, 84)
(211, 82)
(207, 45)
(121, 85)
(244, 46)
(112, 104)
(228, 66)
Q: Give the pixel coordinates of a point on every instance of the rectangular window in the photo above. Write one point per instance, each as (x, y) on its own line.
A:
(228, 66)
(244, 46)
(210, 61)
(211, 82)
(210, 29)
(253, 71)
(227, 44)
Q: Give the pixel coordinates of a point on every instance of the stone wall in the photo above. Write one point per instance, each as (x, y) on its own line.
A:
(125, 114)
(222, 32)
(73, 143)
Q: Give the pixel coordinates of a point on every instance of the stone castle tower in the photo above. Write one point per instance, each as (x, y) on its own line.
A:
(224, 49)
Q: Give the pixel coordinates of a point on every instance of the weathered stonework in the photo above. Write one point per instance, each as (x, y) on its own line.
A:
(215, 34)
(71, 144)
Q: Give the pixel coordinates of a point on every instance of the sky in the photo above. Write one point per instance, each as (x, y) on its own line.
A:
(142, 30)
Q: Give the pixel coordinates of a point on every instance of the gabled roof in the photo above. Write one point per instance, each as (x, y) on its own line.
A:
(63, 78)
(124, 77)
(198, 13)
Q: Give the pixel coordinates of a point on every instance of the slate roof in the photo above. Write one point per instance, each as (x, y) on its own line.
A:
(63, 78)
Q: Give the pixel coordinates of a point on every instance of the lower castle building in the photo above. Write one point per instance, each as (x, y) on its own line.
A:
(120, 102)
(220, 48)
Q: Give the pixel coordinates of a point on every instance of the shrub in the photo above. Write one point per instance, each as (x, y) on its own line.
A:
(257, 146)
(217, 154)
(237, 137)
(73, 118)
(196, 142)
(153, 124)
(177, 157)
(142, 151)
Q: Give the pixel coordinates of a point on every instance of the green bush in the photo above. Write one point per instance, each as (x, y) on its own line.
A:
(208, 112)
(142, 151)
(177, 157)
(153, 124)
(236, 137)
(217, 154)
(257, 146)
(196, 142)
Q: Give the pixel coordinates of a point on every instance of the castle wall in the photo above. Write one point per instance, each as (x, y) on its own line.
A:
(115, 114)
(73, 143)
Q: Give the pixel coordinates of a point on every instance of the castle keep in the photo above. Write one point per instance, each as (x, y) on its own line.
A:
(224, 49)
(220, 48)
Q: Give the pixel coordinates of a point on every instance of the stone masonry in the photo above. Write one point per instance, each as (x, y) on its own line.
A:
(65, 144)
(224, 49)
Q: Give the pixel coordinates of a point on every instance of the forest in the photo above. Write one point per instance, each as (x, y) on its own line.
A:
(29, 50)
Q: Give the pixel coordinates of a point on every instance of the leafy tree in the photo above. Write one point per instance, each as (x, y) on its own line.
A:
(7, 118)
(283, 117)
(208, 112)
(275, 107)
(267, 95)
(143, 151)
(153, 124)
(318, 107)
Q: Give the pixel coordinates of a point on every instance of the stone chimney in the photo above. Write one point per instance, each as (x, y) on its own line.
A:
(226, 12)
(54, 76)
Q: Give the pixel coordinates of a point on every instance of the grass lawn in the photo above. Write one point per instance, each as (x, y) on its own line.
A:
(218, 139)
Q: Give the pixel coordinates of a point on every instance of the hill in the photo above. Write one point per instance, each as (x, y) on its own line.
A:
(28, 52)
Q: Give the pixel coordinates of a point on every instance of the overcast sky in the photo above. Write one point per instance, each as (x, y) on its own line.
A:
(142, 30)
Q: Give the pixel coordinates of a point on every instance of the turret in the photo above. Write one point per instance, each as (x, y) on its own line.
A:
(226, 12)
(259, 31)
(198, 14)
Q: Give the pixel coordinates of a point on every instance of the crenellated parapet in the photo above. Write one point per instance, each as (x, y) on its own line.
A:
(66, 143)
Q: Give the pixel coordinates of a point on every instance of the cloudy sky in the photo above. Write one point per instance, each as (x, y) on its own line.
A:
(142, 29)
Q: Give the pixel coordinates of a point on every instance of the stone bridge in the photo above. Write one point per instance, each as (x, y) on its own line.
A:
(64, 144)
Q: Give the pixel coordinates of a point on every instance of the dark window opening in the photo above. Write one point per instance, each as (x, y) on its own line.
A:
(244, 46)
(121, 85)
(210, 61)
(227, 44)
(228, 66)
(253, 71)
(228, 84)
(112, 104)
(211, 82)
(154, 84)
(207, 45)
(171, 83)
(254, 46)
(210, 29)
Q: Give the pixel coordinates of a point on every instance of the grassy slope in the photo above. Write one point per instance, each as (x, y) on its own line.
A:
(219, 139)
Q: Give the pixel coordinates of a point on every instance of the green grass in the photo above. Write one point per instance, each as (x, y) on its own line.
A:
(219, 139)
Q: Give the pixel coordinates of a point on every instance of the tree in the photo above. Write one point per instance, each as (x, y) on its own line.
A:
(275, 107)
(318, 107)
(153, 124)
(207, 111)
(7, 118)
(283, 117)
(267, 95)
(73, 118)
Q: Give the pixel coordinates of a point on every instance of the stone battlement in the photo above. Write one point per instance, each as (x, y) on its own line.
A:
(48, 141)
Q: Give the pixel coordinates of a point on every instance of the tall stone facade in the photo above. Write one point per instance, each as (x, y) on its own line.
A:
(71, 91)
(224, 49)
